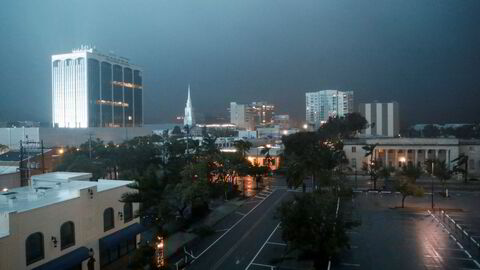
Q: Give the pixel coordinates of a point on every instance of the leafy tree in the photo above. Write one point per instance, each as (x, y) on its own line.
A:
(80, 162)
(308, 152)
(373, 169)
(431, 131)
(149, 193)
(243, 147)
(440, 170)
(177, 130)
(343, 127)
(411, 172)
(407, 188)
(310, 226)
(257, 172)
(3, 148)
(385, 172)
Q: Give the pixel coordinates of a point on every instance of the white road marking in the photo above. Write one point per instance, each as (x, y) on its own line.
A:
(270, 236)
(276, 243)
(351, 264)
(233, 226)
(264, 265)
(458, 243)
(239, 213)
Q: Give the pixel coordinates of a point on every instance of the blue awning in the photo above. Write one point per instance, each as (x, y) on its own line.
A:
(66, 261)
(117, 237)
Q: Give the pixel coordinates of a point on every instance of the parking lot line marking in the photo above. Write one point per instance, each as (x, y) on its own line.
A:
(239, 213)
(276, 243)
(264, 265)
(351, 264)
(458, 244)
(270, 236)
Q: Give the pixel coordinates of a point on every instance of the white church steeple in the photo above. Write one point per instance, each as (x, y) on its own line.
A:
(189, 118)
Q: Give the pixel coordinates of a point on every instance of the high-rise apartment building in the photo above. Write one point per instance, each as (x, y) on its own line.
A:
(321, 105)
(383, 119)
(93, 89)
(242, 116)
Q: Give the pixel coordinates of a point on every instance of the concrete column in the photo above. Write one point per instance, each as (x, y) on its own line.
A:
(436, 153)
(416, 157)
(386, 157)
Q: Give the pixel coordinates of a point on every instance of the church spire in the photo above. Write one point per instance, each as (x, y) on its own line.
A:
(189, 119)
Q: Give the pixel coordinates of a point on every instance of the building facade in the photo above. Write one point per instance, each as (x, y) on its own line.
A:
(321, 105)
(383, 119)
(242, 116)
(263, 113)
(59, 223)
(92, 89)
(397, 152)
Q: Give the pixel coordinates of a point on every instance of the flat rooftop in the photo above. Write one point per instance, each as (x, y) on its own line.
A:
(43, 194)
(8, 169)
(55, 176)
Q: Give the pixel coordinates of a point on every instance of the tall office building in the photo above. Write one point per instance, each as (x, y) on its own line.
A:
(93, 89)
(189, 118)
(323, 104)
(383, 119)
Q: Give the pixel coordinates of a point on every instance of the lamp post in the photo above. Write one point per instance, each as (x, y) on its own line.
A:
(433, 166)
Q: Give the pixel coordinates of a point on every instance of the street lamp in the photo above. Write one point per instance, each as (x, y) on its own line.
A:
(433, 167)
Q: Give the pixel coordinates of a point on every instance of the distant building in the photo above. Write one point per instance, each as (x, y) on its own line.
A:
(64, 221)
(57, 137)
(9, 177)
(397, 152)
(242, 116)
(189, 119)
(93, 89)
(249, 116)
(383, 119)
(282, 120)
(263, 113)
(321, 105)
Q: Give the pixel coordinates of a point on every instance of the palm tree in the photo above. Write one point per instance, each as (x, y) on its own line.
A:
(442, 172)
(461, 166)
(242, 147)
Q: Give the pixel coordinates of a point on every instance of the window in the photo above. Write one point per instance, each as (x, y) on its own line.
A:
(354, 149)
(127, 212)
(67, 235)
(108, 222)
(34, 248)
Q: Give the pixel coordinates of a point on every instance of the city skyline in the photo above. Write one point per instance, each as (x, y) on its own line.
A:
(414, 66)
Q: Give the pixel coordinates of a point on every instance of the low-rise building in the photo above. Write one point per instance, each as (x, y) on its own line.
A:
(397, 152)
(9, 177)
(61, 223)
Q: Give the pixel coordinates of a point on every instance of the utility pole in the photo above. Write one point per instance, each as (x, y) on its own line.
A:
(43, 157)
(90, 145)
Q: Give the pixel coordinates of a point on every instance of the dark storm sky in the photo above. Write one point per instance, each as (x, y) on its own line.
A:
(425, 54)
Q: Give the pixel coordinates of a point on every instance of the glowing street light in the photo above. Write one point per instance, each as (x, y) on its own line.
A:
(159, 252)
(305, 126)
